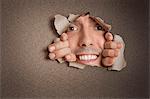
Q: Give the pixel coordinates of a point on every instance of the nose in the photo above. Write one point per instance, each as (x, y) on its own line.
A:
(86, 40)
(85, 45)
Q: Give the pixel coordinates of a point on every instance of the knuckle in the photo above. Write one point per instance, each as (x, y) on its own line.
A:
(107, 52)
(58, 54)
(110, 44)
(110, 52)
(62, 44)
(62, 52)
(107, 44)
(113, 45)
(104, 52)
(108, 61)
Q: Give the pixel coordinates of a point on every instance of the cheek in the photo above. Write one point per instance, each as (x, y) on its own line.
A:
(100, 40)
(72, 39)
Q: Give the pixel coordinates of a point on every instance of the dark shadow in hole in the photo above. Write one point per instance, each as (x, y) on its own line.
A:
(46, 57)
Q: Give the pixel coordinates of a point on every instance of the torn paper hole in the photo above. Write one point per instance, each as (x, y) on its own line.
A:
(120, 62)
(61, 24)
(72, 17)
(76, 65)
(60, 60)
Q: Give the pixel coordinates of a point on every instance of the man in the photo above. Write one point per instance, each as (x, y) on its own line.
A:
(87, 41)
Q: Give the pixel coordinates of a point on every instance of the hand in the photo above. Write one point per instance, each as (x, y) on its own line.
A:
(111, 50)
(60, 49)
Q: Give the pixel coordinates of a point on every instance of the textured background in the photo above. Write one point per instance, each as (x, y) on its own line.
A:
(0, 48)
(26, 33)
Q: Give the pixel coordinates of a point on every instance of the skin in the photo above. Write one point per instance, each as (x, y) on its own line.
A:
(84, 33)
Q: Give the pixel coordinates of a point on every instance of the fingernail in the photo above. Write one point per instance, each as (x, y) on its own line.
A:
(110, 37)
(52, 55)
(52, 48)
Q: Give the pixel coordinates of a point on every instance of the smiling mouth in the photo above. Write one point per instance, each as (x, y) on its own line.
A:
(86, 58)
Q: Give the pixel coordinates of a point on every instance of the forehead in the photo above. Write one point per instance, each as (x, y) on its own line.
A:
(85, 20)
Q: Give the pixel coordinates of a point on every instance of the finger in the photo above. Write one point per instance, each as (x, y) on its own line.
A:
(70, 57)
(108, 53)
(62, 52)
(111, 44)
(57, 40)
(51, 56)
(58, 45)
(64, 37)
(108, 61)
(119, 45)
(61, 44)
(51, 48)
(108, 36)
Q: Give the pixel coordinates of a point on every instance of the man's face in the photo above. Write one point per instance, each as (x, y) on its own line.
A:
(86, 40)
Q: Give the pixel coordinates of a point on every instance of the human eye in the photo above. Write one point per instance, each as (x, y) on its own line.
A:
(72, 27)
(98, 27)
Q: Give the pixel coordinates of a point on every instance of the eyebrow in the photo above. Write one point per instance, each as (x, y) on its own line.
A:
(76, 22)
(106, 27)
